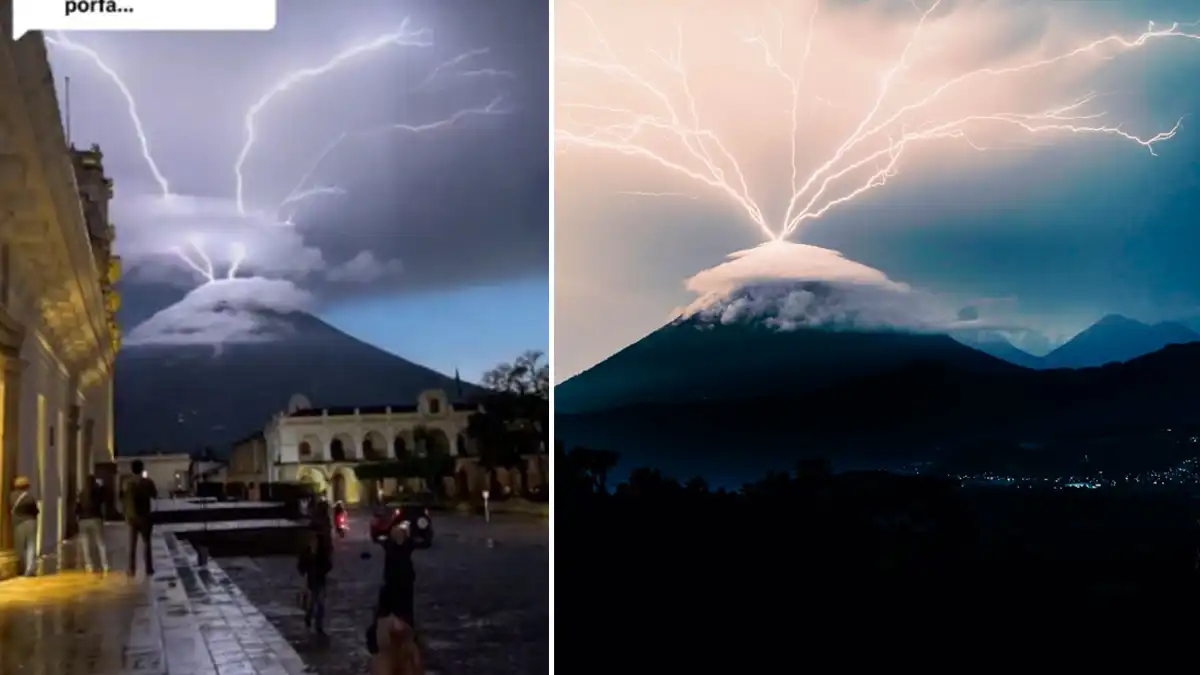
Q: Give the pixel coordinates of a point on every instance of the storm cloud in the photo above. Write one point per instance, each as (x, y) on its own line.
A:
(417, 166)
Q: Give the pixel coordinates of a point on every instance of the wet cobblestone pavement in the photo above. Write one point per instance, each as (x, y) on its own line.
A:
(187, 620)
(482, 599)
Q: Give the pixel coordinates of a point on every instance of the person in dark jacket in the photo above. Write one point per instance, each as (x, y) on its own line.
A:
(391, 639)
(23, 507)
(90, 510)
(315, 564)
(140, 493)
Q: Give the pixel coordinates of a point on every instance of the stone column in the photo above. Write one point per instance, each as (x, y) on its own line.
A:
(10, 450)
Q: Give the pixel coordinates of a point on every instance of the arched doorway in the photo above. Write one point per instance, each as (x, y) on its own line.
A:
(337, 449)
(338, 483)
(463, 450)
(374, 447)
(437, 443)
(399, 447)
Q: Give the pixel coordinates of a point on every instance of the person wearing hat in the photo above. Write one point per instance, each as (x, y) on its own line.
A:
(24, 508)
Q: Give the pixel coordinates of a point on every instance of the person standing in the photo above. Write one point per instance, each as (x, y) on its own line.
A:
(90, 510)
(391, 638)
(315, 564)
(140, 493)
(24, 509)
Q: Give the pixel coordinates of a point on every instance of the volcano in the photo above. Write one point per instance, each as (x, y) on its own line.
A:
(757, 343)
(1116, 338)
(181, 397)
(729, 393)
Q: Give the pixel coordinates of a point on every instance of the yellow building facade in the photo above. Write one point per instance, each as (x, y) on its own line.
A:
(58, 334)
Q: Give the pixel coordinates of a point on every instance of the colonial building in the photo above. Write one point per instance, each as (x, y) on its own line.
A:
(249, 465)
(58, 336)
(323, 445)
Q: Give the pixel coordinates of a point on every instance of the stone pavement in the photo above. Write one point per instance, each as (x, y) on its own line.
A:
(187, 620)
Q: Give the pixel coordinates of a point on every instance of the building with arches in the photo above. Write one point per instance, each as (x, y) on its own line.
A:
(323, 445)
(58, 331)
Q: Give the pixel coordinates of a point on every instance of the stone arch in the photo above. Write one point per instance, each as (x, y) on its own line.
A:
(374, 446)
(345, 487)
(337, 486)
(310, 448)
(436, 442)
(340, 447)
(313, 476)
(400, 446)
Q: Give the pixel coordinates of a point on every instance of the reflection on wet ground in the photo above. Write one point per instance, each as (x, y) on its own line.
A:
(66, 622)
(187, 620)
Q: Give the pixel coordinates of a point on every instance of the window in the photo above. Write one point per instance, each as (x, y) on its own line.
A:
(305, 449)
(435, 406)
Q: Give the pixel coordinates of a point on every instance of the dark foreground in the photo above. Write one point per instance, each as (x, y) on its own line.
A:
(482, 598)
(801, 559)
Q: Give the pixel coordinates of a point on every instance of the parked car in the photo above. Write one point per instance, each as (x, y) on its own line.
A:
(420, 524)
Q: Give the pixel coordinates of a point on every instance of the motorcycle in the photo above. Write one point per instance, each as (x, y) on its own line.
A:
(339, 524)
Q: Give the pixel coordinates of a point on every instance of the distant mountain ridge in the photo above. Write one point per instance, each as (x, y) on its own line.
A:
(722, 397)
(999, 346)
(1116, 339)
(188, 396)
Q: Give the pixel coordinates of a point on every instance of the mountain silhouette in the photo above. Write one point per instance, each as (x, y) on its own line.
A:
(1115, 339)
(691, 360)
(876, 400)
(1000, 347)
(181, 397)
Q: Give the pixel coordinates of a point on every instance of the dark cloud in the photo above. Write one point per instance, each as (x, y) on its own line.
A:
(455, 206)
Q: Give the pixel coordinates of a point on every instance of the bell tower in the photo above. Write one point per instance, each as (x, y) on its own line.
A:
(95, 193)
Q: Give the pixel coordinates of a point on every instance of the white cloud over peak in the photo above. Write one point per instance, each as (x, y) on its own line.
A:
(224, 311)
(788, 286)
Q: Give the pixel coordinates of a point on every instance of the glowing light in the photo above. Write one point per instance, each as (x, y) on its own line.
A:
(402, 37)
(299, 193)
(194, 255)
(866, 159)
(204, 265)
(466, 57)
(62, 41)
(450, 67)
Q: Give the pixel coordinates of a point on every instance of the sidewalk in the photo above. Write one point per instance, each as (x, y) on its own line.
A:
(187, 620)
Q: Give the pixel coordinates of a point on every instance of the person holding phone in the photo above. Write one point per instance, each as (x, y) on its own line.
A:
(392, 639)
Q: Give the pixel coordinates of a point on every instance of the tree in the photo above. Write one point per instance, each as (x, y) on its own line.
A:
(594, 465)
(526, 375)
(514, 415)
(435, 465)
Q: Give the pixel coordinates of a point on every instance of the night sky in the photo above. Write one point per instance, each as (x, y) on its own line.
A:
(436, 247)
(1048, 230)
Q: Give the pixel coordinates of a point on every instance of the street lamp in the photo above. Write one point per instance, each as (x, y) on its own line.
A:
(487, 512)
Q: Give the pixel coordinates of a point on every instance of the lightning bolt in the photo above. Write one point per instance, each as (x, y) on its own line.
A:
(866, 159)
(300, 193)
(238, 254)
(193, 254)
(404, 37)
(61, 41)
(449, 67)
(203, 265)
